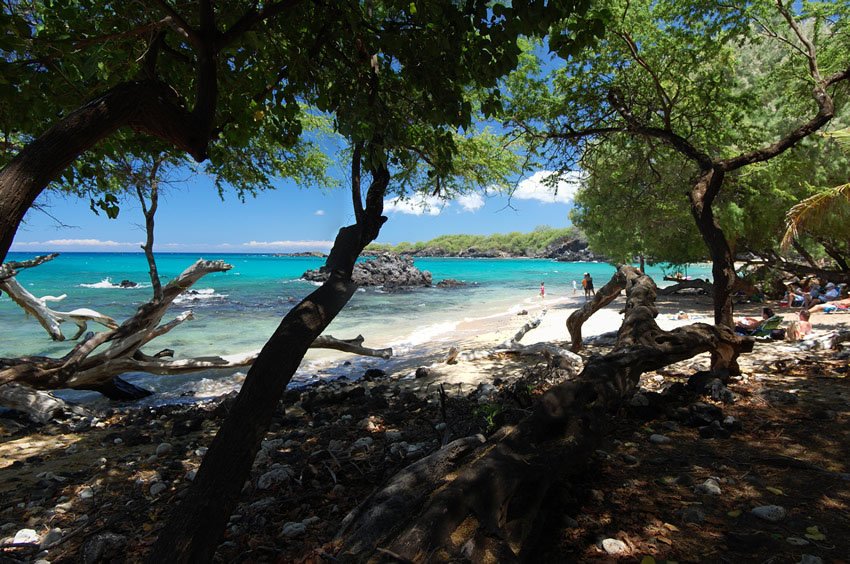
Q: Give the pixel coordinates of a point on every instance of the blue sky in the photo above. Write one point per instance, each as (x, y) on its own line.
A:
(192, 218)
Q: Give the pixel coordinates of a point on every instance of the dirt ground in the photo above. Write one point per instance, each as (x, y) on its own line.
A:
(107, 490)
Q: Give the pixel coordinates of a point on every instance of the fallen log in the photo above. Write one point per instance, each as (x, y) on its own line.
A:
(680, 285)
(568, 360)
(51, 319)
(604, 296)
(489, 508)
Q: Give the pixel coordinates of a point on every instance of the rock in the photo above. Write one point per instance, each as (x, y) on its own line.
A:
(422, 372)
(810, 559)
(86, 493)
(388, 270)
(26, 536)
(279, 474)
(373, 374)
(128, 284)
(52, 536)
(779, 397)
(450, 283)
(709, 487)
(293, 529)
(714, 431)
(659, 439)
(629, 459)
(614, 546)
(692, 514)
(393, 436)
(639, 400)
(797, 541)
(157, 488)
(103, 547)
(772, 513)
(163, 449)
(362, 443)
(311, 520)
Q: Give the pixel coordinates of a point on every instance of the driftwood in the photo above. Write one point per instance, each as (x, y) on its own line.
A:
(39, 406)
(51, 319)
(97, 361)
(680, 285)
(11, 268)
(492, 504)
(567, 359)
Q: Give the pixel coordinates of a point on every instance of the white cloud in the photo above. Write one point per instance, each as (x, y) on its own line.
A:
(76, 243)
(319, 212)
(302, 245)
(417, 204)
(471, 202)
(533, 188)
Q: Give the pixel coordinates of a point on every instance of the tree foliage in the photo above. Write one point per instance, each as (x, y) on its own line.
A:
(514, 243)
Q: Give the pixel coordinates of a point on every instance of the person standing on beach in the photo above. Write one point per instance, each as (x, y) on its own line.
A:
(587, 284)
(575, 287)
(542, 290)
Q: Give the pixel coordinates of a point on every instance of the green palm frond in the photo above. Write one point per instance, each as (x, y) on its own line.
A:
(840, 136)
(814, 211)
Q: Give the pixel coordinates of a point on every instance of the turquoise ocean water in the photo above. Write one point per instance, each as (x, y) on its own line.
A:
(236, 311)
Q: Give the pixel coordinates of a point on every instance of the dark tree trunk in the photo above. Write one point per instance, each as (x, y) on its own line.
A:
(193, 531)
(723, 263)
(148, 106)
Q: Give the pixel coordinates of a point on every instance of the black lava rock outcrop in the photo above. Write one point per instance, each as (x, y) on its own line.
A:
(387, 270)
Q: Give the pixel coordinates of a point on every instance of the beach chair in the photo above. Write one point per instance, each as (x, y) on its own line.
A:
(767, 326)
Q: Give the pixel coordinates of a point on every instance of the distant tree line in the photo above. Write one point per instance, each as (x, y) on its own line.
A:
(514, 243)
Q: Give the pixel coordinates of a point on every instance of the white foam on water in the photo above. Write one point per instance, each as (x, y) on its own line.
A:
(107, 283)
(199, 295)
(426, 334)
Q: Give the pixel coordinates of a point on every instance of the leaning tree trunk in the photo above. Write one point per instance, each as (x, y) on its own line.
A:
(195, 527)
(485, 503)
(604, 296)
(723, 263)
(148, 106)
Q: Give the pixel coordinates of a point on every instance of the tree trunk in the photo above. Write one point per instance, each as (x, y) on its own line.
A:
(486, 507)
(604, 296)
(723, 263)
(148, 106)
(195, 527)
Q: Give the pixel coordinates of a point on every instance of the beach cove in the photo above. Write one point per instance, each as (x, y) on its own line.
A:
(236, 311)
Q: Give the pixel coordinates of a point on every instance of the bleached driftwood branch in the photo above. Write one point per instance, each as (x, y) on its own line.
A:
(569, 360)
(49, 318)
(11, 268)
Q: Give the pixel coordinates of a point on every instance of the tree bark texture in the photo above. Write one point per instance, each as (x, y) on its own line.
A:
(195, 527)
(488, 505)
(603, 296)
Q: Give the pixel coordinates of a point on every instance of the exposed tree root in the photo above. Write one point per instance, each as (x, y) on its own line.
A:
(490, 508)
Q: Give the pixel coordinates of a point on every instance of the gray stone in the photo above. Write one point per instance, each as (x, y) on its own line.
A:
(614, 546)
(709, 487)
(797, 541)
(311, 520)
(810, 559)
(157, 488)
(86, 493)
(362, 443)
(293, 529)
(52, 536)
(772, 513)
(103, 546)
(639, 400)
(277, 475)
(693, 514)
(163, 449)
(659, 439)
